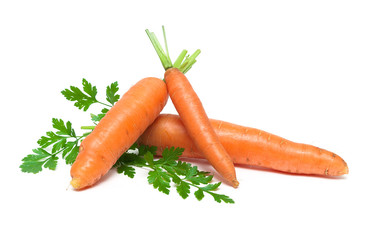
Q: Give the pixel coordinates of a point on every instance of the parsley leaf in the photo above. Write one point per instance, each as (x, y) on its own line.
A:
(70, 152)
(221, 197)
(64, 129)
(99, 116)
(33, 163)
(82, 100)
(159, 179)
(127, 170)
(183, 189)
(111, 95)
(85, 98)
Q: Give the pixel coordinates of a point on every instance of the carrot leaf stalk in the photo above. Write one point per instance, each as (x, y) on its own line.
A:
(183, 62)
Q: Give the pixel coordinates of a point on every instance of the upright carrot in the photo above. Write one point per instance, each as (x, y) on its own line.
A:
(247, 146)
(192, 113)
(118, 130)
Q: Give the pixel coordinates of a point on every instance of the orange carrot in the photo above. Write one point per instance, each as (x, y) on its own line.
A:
(194, 117)
(118, 130)
(247, 146)
(197, 124)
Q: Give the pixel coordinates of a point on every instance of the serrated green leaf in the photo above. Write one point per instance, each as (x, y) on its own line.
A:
(98, 117)
(192, 171)
(206, 179)
(51, 162)
(39, 154)
(211, 186)
(181, 168)
(170, 169)
(183, 189)
(68, 148)
(33, 163)
(142, 149)
(127, 170)
(172, 154)
(111, 91)
(82, 100)
(49, 139)
(149, 158)
(63, 129)
(199, 194)
(200, 179)
(32, 166)
(71, 156)
(44, 141)
(89, 89)
(220, 197)
(160, 180)
(59, 145)
(130, 158)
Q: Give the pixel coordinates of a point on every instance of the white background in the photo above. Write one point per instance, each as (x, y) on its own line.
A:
(298, 69)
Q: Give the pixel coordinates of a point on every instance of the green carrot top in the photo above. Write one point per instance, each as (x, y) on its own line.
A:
(183, 62)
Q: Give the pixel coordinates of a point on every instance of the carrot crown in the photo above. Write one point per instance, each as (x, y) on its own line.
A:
(183, 62)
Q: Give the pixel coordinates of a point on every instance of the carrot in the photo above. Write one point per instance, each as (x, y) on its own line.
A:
(247, 146)
(118, 130)
(193, 115)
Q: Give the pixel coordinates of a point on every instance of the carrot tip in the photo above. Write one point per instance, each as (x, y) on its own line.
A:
(235, 183)
(75, 183)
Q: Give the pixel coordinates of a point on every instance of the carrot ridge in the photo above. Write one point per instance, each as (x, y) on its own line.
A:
(248, 147)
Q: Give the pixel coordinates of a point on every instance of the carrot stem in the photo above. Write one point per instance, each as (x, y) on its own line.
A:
(165, 61)
(180, 59)
(166, 44)
(182, 63)
(189, 61)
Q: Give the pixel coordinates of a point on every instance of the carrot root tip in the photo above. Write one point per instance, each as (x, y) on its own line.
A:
(75, 183)
(235, 183)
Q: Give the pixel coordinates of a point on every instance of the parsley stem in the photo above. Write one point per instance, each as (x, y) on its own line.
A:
(76, 142)
(105, 104)
(87, 127)
(62, 149)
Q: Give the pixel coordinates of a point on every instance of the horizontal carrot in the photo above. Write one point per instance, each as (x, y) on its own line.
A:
(247, 146)
(118, 130)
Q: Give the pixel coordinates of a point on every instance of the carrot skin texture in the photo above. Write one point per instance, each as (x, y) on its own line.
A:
(248, 146)
(197, 125)
(118, 130)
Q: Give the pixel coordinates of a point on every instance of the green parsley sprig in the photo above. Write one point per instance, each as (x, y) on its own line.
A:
(168, 169)
(63, 142)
